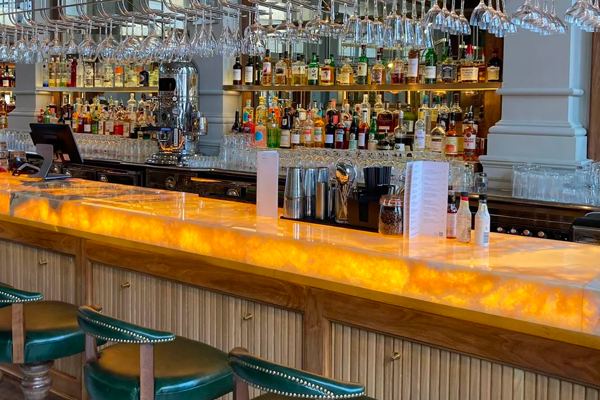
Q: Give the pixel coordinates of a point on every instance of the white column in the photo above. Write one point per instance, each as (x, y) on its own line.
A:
(28, 102)
(545, 102)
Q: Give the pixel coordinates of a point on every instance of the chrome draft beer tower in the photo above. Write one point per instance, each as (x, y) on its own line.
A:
(179, 122)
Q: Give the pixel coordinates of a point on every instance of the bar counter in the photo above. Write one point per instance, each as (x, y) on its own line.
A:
(529, 306)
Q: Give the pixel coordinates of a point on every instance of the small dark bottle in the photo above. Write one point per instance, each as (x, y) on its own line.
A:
(237, 72)
(249, 72)
(451, 218)
(144, 77)
(236, 128)
(330, 133)
(354, 128)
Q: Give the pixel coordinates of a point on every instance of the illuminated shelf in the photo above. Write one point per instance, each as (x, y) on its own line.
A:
(368, 88)
(142, 89)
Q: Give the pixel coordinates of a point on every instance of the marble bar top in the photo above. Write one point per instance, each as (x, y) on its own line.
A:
(544, 282)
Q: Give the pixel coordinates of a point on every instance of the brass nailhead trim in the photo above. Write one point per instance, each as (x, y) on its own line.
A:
(328, 394)
(141, 339)
(15, 299)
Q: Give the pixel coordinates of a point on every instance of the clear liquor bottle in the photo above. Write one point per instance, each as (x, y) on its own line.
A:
(378, 72)
(261, 113)
(298, 72)
(437, 137)
(267, 70)
(379, 106)
(346, 73)
(281, 72)
(327, 73)
(365, 105)
(308, 130)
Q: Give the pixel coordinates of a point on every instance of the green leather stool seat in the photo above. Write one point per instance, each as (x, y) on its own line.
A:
(273, 396)
(52, 332)
(184, 369)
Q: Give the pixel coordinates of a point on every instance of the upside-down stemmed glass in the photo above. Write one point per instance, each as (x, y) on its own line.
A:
(477, 14)
(427, 29)
(35, 45)
(302, 34)
(88, 47)
(409, 33)
(452, 23)
(55, 48)
(366, 27)
(151, 45)
(335, 30)
(378, 27)
(71, 46)
(108, 47)
(431, 16)
(254, 37)
(286, 30)
(463, 23)
(4, 47)
(388, 26)
(416, 27)
(352, 26)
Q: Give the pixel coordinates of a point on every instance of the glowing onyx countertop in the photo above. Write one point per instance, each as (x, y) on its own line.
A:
(545, 282)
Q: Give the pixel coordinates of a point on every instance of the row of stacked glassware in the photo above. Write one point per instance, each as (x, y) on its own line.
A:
(536, 182)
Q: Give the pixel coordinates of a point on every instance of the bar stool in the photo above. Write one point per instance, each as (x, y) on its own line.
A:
(281, 382)
(147, 364)
(33, 334)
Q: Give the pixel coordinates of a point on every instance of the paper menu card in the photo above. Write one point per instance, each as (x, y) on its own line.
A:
(426, 199)
(267, 184)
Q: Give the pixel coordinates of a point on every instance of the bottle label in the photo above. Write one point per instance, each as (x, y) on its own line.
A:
(302, 115)
(280, 70)
(451, 225)
(126, 128)
(436, 144)
(447, 72)
(101, 127)
(259, 136)
(352, 145)
(318, 135)
(413, 67)
(470, 141)
(110, 127)
(463, 228)
(308, 136)
(266, 68)
(451, 145)
(376, 76)
(361, 139)
(419, 143)
(482, 230)
(313, 74)
(298, 69)
(325, 74)
(430, 72)
(362, 69)
(5, 83)
(237, 74)
(249, 75)
(408, 125)
(285, 138)
(328, 138)
(87, 128)
(296, 137)
(372, 145)
(469, 74)
(399, 146)
(339, 136)
(493, 73)
(345, 78)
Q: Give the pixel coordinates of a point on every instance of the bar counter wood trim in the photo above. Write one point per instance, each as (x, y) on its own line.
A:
(45, 239)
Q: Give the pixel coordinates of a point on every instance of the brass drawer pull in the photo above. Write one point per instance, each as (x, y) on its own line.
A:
(43, 262)
(396, 356)
(248, 317)
(125, 285)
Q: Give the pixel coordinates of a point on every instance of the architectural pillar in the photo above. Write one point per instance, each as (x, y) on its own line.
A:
(545, 102)
(28, 102)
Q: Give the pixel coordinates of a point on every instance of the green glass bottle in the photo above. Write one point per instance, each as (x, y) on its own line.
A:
(334, 72)
(430, 66)
(373, 128)
(313, 71)
(363, 67)
(273, 132)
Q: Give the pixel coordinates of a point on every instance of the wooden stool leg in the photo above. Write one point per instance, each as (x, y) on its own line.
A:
(1, 375)
(37, 382)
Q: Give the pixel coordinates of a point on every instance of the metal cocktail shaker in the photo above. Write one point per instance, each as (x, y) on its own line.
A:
(322, 194)
(310, 189)
(293, 200)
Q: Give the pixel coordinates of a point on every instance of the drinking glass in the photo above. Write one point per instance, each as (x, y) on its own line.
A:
(335, 30)
(71, 46)
(108, 47)
(463, 23)
(378, 27)
(366, 27)
(287, 31)
(352, 26)
(55, 47)
(432, 14)
(151, 45)
(88, 48)
(478, 12)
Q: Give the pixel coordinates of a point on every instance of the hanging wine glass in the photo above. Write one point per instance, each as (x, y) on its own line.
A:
(378, 27)
(301, 34)
(464, 27)
(4, 47)
(21, 49)
(388, 26)
(442, 17)
(70, 47)
(352, 29)
(35, 45)
(88, 47)
(427, 29)
(366, 27)
(286, 30)
(477, 14)
(419, 40)
(432, 14)
(151, 45)
(335, 30)
(409, 33)
(45, 45)
(108, 47)
(55, 48)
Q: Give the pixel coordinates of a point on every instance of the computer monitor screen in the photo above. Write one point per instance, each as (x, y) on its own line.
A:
(61, 138)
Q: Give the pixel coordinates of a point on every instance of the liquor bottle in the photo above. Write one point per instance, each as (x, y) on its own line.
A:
(273, 132)
(401, 141)
(353, 131)
(308, 130)
(482, 223)
(385, 120)
(261, 114)
(144, 77)
(444, 112)
(481, 69)
(330, 132)
(235, 128)
(451, 216)
(363, 131)
(298, 72)
(6, 78)
(363, 67)
(469, 71)
(397, 112)
(373, 129)
(248, 127)
(378, 107)
(274, 108)
(249, 71)
(237, 72)
(297, 133)
(281, 72)
(260, 135)
(288, 67)
(409, 120)
(247, 111)
(413, 66)
(346, 73)
(470, 141)
(340, 135)
(352, 142)
(286, 127)
(3, 115)
(420, 136)
(333, 69)
(365, 105)
(437, 137)
(378, 72)
(267, 75)
(397, 69)
(119, 77)
(448, 66)
(319, 135)
(451, 140)
(74, 72)
(88, 74)
(463, 220)
(332, 112)
(87, 121)
(430, 74)
(46, 116)
(372, 143)
(327, 73)
(109, 124)
(494, 68)
(45, 75)
(313, 70)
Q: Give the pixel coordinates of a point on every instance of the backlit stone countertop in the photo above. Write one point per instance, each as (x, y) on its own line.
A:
(550, 283)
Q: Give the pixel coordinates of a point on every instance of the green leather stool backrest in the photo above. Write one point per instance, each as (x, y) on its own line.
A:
(10, 295)
(279, 379)
(110, 329)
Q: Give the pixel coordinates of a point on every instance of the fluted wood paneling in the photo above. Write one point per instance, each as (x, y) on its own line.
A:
(429, 373)
(199, 314)
(53, 274)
